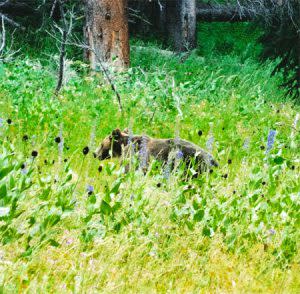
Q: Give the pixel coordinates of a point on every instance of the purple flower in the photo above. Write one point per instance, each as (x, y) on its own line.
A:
(179, 154)
(209, 143)
(143, 153)
(90, 189)
(271, 140)
(24, 170)
(246, 144)
(272, 232)
(1, 122)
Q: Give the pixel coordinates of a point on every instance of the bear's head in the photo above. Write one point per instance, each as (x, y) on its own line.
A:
(112, 145)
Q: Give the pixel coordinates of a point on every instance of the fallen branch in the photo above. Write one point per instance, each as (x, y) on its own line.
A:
(223, 13)
(11, 22)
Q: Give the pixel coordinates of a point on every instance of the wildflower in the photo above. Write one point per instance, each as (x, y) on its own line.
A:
(1, 122)
(4, 211)
(33, 140)
(143, 153)
(271, 140)
(294, 129)
(211, 139)
(272, 232)
(167, 170)
(86, 150)
(34, 153)
(90, 189)
(246, 144)
(209, 143)
(57, 140)
(179, 154)
(24, 170)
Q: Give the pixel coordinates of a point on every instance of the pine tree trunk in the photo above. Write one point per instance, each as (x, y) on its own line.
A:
(181, 23)
(106, 33)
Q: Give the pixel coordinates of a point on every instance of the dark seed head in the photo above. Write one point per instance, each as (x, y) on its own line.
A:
(158, 185)
(262, 147)
(46, 161)
(229, 161)
(263, 183)
(34, 153)
(200, 133)
(57, 140)
(100, 168)
(65, 160)
(223, 128)
(90, 193)
(211, 171)
(278, 111)
(225, 176)
(190, 186)
(53, 161)
(293, 167)
(85, 150)
(23, 166)
(234, 191)
(9, 121)
(262, 195)
(25, 138)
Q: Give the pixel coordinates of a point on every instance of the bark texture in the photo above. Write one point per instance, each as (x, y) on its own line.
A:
(181, 24)
(106, 33)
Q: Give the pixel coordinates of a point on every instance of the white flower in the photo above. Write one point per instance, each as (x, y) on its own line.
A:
(4, 211)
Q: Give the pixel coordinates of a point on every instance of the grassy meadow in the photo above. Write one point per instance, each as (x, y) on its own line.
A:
(72, 224)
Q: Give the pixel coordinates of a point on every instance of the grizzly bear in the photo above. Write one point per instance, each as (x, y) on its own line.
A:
(118, 144)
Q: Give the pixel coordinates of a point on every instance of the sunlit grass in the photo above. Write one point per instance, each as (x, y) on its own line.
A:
(233, 230)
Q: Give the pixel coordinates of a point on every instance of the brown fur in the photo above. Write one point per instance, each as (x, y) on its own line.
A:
(117, 145)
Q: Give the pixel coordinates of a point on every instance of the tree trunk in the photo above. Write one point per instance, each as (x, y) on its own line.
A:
(106, 33)
(181, 24)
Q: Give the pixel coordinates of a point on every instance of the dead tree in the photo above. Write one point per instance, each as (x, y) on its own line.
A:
(65, 32)
(106, 32)
(181, 24)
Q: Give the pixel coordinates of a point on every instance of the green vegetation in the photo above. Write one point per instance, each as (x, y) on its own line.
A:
(71, 223)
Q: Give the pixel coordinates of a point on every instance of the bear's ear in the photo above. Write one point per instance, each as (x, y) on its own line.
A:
(116, 134)
(126, 131)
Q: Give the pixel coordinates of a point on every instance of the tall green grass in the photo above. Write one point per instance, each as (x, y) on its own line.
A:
(72, 224)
